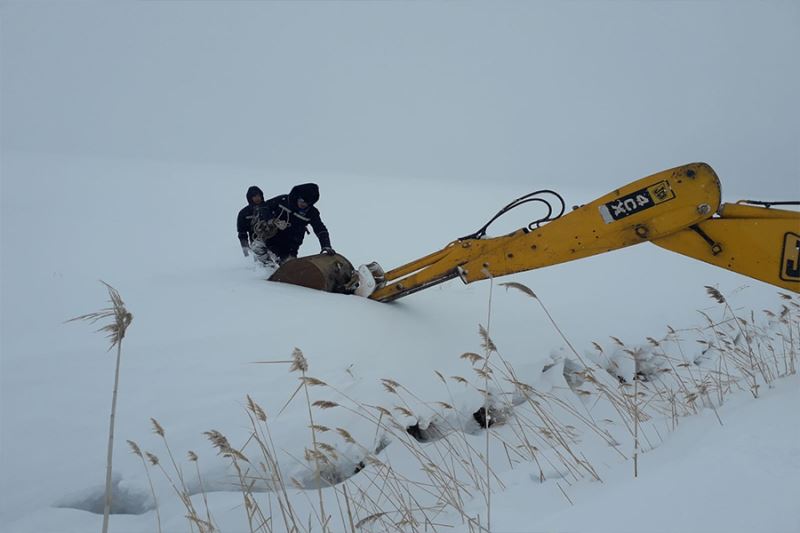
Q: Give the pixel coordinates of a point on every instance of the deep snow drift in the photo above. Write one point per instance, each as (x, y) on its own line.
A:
(163, 235)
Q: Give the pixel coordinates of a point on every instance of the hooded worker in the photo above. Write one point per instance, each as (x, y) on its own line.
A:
(244, 222)
(281, 224)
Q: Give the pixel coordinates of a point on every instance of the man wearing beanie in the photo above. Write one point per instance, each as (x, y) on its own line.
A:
(244, 222)
(280, 225)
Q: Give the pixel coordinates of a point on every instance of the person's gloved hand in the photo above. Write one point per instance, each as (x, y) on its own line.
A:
(245, 251)
(328, 251)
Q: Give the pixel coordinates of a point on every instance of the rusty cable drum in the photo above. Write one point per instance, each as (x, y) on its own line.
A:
(329, 273)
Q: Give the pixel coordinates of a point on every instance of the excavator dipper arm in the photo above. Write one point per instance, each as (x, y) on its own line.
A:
(673, 209)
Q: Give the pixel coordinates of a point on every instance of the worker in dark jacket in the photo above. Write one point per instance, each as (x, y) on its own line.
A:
(281, 225)
(244, 222)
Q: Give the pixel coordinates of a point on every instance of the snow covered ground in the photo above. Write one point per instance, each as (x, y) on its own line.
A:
(162, 234)
(129, 132)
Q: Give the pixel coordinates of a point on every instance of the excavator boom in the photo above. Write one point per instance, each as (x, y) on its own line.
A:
(760, 242)
(647, 209)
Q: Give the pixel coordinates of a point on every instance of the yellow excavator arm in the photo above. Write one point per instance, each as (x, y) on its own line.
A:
(760, 242)
(677, 209)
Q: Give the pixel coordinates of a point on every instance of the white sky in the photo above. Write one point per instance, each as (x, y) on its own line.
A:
(535, 93)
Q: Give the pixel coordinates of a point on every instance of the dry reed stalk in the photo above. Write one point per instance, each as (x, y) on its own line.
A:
(636, 426)
(221, 443)
(194, 459)
(489, 347)
(754, 361)
(115, 330)
(529, 292)
(349, 509)
(138, 453)
(299, 363)
(159, 430)
(263, 438)
(182, 496)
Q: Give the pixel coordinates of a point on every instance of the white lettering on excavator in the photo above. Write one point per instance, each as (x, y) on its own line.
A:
(624, 207)
(636, 201)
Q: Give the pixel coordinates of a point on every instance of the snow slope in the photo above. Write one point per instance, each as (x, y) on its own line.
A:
(163, 235)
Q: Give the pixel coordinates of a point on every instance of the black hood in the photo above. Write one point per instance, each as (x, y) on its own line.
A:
(253, 191)
(307, 191)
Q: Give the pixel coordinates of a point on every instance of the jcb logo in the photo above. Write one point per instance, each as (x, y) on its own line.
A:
(790, 263)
